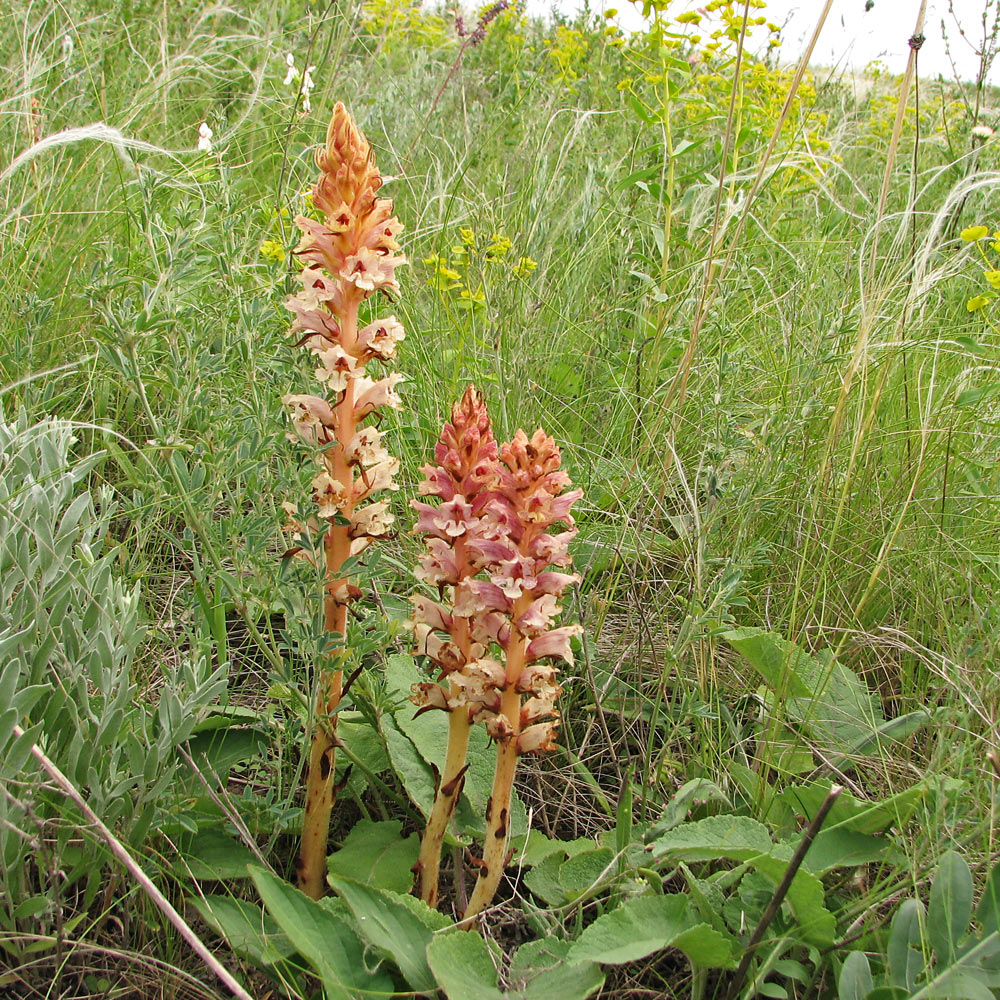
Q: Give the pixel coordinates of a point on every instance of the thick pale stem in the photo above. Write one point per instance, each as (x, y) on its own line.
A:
(321, 792)
(452, 778)
(445, 801)
(497, 816)
(498, 810)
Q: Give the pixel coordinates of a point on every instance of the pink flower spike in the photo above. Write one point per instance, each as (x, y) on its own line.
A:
(555, 643)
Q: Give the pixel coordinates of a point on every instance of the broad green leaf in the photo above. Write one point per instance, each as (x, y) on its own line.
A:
(839, 848)
(538, 847)
(851, 813)
(637, 928)
(579, 874)
(321, 937)
(417, 777)
(543, 880)
(399, 925)
(855, 981)
(776, 659)
(706, 947)
(904, 954)
(247, 929)
(988, 911)
(377, 854)
(820, 693)
(462, 966)
(649, 924)
(806, 899)
(212, 854)
(950, 907)
(736, 837)
(539, 971)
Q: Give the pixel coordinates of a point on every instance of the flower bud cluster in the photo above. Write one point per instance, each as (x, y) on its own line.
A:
(490, 552)
(349, 255)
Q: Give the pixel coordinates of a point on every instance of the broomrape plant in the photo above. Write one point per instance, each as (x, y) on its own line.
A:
(350, 255)
(494, 521)
(489, 545)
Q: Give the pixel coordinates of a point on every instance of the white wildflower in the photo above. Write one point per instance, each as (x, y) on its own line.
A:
(983, 131)
(67, 46)
(205, 138)
(292, 74)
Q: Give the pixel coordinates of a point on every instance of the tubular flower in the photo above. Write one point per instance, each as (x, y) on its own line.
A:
(349, 256)
(522, 596)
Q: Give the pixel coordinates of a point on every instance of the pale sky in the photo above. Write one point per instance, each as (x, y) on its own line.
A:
(852, 37)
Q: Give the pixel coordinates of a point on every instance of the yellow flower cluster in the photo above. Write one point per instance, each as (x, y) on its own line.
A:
(979, 235)
(403, 25)
(464, 273)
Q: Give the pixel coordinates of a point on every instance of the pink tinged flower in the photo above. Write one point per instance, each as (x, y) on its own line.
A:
(491, 626)
(311, 417)
(537, 679)
(515, 576)
(499, 728)
(540, 707)
(336, 368)
(330, 493)
(366, 448)
(376, 478)
(558, 507)
(427, 696)
(453, 518)
(381, 337)
(437, 565)
(445, 654)
(371, 395)
(552, 550)
(555, 643)
(472, 597)
(371, 271)
(491, 672)
(371, 521)
(538, 739)
(488, 551)
(428, 612)
(555, 583)
(539, 616)
(436, 483)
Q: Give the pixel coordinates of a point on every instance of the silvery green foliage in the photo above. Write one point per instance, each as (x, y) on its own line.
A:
(69, 630)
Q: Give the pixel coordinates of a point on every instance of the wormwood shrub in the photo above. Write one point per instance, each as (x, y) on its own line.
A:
(69, 631)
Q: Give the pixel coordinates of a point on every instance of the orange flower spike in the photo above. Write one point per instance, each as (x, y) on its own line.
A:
(349, 257)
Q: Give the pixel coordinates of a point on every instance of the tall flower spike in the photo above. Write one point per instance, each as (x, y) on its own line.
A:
(348, 257)
(461, 537)
(524, 592)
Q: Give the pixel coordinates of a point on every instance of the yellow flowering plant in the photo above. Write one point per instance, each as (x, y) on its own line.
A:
(985, 243)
